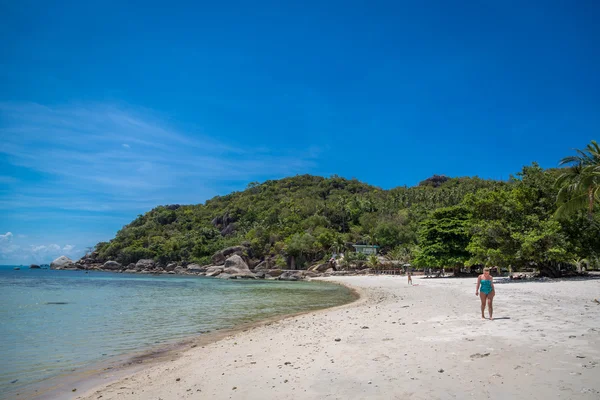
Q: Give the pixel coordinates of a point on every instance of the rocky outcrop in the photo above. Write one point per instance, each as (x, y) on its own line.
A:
(237, 267)
(63, 262)
(112, 266)
(145, 265)
(219, 257)
(34, 266)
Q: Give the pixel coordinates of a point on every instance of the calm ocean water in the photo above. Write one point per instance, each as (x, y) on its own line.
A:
(54, 322)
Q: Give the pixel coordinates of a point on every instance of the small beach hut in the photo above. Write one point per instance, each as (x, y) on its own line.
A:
(365, 249)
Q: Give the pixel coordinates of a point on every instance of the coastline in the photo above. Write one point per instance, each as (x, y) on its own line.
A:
(121, 366)
(397, 341)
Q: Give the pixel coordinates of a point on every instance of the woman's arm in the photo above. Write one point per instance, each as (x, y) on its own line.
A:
(492, 282)
(478, 283)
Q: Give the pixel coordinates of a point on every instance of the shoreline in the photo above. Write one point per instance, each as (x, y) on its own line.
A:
(119, 367)
(397, 341)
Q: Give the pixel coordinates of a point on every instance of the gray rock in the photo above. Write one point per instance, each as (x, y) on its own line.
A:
(196, 268)
(146, 264)
(235, 264)
(214, 270)
(225, 276)
(111, 265)
(219, 257)
(180, 269)
(34, 266)
(290, 276)
(171, 267)
(263, 266)
(319, 268)
(274, 272)
(62, 262)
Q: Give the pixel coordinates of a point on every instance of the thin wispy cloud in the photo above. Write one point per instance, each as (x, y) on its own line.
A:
(108, 159)
(88, 147)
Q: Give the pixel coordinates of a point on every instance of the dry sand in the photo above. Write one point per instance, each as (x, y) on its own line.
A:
(398, 342)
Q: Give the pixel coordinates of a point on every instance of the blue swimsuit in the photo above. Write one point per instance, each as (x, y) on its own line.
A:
(486, 286)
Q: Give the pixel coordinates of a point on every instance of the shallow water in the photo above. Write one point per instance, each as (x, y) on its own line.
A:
(53, 322)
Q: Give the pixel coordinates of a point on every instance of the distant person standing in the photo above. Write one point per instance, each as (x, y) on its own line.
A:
(486, 282)
(409, 274)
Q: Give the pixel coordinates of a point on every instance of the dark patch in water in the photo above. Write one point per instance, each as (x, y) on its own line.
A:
(56, 302)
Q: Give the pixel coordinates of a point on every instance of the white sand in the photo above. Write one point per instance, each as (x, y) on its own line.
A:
(545, 344)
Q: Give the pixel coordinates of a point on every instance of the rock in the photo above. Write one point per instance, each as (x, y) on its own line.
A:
(229, 230)
(329, 271)
(145, 264)
(237, 267)
(196, 268)
(180, 269)
(111, 265)
(441, 370)
(338, 339)
(260, 274)
(130, 271)
(62, 262)
(225, 275)
(219, 257)
(34, 266)
(319, 268)
(171, 267)
(214, 271)
(274, 272)
(290, 276)
(263, 266)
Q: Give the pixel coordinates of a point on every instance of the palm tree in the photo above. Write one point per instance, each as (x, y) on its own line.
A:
(580, 183)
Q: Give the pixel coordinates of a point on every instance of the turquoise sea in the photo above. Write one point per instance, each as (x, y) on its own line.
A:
(56, 322)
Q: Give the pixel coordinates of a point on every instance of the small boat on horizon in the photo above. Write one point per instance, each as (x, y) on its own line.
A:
(17, 268)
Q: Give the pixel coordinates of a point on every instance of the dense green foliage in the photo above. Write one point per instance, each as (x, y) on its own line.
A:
(446, 222)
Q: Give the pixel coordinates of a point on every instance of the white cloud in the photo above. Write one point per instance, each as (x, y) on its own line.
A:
(126, 145)
(19, 254)
(6, 237)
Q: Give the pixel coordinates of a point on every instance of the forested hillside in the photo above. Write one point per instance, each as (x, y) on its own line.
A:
(442, 221)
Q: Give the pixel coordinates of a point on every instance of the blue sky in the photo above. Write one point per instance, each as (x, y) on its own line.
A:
(107, 110)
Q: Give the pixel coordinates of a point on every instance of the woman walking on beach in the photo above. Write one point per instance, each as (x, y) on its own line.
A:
(486, 282)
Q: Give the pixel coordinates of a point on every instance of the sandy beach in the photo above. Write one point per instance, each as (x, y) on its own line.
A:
(397, 342)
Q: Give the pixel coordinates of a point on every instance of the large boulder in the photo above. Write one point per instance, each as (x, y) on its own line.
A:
(274, 272)
(237, 267)
(219, 257)
(62, 262)
(34, 266)
(145, 265)
(111, 265)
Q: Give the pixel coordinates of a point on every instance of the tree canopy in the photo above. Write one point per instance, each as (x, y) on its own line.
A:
(446, 222)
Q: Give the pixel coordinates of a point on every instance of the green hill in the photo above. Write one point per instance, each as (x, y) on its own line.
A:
(440, 222)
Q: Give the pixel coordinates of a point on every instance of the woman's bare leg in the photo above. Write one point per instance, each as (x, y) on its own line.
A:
(483, 298)
(490, 300)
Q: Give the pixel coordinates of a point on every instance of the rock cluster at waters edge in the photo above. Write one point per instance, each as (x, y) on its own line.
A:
(230, 263)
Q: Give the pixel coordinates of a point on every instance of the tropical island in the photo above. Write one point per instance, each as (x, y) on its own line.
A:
(543, 220)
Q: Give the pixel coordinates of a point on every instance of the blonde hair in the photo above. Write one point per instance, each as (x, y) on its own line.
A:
(486, 269)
